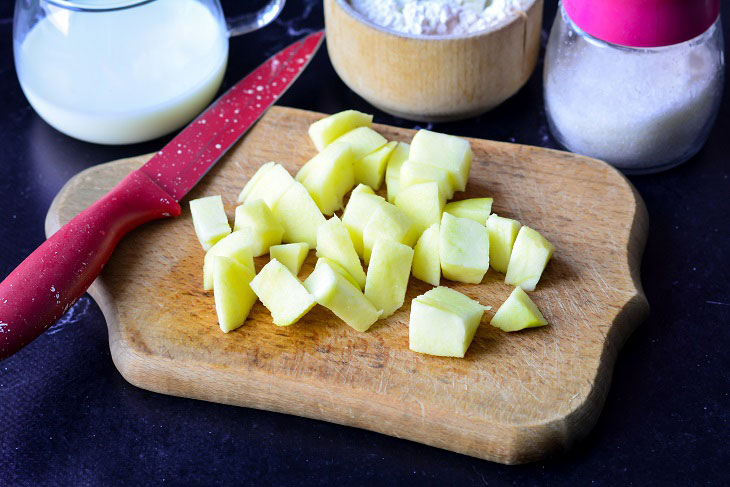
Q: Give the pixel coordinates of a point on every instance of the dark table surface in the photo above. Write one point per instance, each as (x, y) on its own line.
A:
(68, 418)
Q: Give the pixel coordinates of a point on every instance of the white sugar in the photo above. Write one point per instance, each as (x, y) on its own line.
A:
(634, 111)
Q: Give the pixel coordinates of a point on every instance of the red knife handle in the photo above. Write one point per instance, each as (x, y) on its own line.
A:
(45, 285)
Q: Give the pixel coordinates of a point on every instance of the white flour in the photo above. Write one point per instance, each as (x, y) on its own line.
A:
(439, 17)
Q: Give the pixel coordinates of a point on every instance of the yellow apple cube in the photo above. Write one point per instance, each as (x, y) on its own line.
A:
(324, 131)
(337, 268)
(443, 322)
(341, 296)
(362, 188)
(388, 273)
(362, 141)
(476, 209)
(371, 168)
(248, 187)
(233, 295)
(328, 176)
(530, 254)
(291, 255)
(392, 172)
(359, 209)
(423, 202)
(209, 220)
(282, 293)
(426, 259)
(237, 246)
(518, 312)
(298, 215)
(412, 172)
(333, 242)
(445, 151)
(463, 249)
(265, 229)
(390, 223)
(502, 235)
(269, 187)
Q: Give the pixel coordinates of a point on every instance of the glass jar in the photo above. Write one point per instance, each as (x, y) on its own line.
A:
(640, 109)
(124, 71)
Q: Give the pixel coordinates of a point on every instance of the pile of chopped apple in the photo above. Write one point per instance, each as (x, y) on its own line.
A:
(416, 230)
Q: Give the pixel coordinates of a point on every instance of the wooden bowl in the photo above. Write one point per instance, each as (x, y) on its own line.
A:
(433, 78)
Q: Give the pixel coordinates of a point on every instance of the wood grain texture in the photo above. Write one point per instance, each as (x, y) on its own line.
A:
(514, 398)
(432, 78)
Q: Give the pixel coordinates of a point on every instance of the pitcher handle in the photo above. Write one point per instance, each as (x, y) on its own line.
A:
(246, 23)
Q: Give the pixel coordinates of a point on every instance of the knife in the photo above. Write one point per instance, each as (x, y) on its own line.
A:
(45, 285)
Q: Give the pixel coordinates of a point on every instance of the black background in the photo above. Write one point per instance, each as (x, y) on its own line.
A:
(68, 418)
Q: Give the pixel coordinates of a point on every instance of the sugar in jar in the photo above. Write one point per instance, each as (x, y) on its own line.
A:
(636, 84)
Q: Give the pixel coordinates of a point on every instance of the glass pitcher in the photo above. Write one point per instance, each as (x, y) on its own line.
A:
(124, 71)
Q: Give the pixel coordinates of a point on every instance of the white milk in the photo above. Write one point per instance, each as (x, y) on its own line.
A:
(124, 76)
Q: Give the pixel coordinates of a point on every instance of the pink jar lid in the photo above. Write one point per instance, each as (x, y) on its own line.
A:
(643, 23)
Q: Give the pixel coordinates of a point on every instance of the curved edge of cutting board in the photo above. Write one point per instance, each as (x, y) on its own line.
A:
(504, 443)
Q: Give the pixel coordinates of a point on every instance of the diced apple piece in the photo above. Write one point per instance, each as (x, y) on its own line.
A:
(270, 186)
(476, 209)
(209, 220)
(357, 214)
(304, 171)
(445, 151)
(530, 254)
(291, 255)
(443, 322)
(362, 188)
(390, 223)
(233, 295)
(502, 235)
(371, 168)
(237, 246)
(412, 172)
(324, 131)
(337, 268)
(254, 180)
(336, 293)
(362, 141)
(423, 202)
(392, 172)
(426, 259)
(264, 227)
(447, 299)
(282, 293)
(463, 249)
(299, 215)
(333, 242)
(329, 176)
(518, 312)
(388, 273)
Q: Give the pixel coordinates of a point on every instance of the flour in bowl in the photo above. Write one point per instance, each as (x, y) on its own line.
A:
(439, 17)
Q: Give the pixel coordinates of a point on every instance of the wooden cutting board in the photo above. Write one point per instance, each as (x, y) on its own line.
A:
(514, 398)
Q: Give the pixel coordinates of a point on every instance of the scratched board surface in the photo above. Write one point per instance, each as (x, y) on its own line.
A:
(514, 397)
